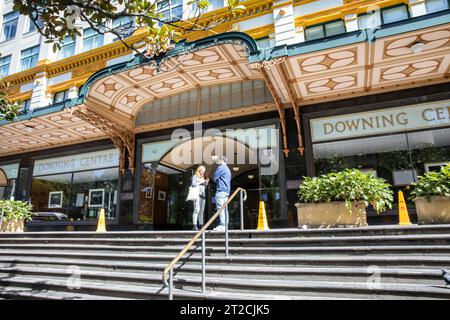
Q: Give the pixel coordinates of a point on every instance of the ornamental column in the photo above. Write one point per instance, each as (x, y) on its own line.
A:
(284, 22)
(39, 96)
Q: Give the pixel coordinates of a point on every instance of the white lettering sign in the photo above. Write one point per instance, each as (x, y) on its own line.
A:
(428, 115)
(79, 162)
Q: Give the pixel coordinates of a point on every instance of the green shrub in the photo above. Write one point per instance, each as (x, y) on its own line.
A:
(432, 184)
(349, 186)
(16, 210)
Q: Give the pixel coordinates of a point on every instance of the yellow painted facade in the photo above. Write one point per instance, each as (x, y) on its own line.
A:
(85, 64)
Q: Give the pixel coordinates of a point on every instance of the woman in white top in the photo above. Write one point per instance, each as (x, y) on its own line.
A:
(199, 180)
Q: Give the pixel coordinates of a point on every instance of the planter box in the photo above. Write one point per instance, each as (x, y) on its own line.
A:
(331, 214)
(13, 225)
(433, 210)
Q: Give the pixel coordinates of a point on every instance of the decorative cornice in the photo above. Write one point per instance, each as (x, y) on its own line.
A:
(268, 63)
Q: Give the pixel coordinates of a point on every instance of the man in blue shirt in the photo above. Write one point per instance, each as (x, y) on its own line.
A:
(222, 178)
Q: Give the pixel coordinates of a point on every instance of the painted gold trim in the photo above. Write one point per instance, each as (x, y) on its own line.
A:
(21, 96)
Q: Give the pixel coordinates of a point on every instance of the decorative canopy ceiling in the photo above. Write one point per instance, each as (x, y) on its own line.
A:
(395, 57)
(120, 95)
(47, 131)
(362, 68)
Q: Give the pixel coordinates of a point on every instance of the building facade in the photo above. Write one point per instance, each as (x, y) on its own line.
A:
(295, 88)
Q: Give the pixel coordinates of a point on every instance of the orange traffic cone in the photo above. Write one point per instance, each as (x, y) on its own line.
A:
(262, 217)
(101, 226)
(403, 216)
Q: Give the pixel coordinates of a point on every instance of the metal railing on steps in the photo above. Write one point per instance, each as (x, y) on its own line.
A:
(168, 271)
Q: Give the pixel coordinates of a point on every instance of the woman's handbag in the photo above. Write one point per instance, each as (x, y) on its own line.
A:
(194, 193)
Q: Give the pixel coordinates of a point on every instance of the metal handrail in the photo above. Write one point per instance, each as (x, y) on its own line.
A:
(170, 266)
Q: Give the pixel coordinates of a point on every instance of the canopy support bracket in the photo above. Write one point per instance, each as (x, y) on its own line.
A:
(280, 109)
(122, 137)
(284, 76)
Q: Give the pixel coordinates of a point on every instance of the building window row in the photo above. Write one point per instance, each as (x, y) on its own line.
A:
(372, 19)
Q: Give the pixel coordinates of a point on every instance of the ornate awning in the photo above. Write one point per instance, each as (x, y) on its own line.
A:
(409, 54)
(360, 63)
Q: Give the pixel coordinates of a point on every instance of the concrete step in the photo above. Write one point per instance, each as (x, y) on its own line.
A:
(277, 264)
(310, 260)
(397, 240)
(423, 276)
(23, 293)
(426, 274)
(189, 288)
(273, 233)
(141, 292)
(220, 250)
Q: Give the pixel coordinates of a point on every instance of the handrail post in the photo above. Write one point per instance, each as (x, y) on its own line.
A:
(171, 284)
(168, 271)
(1, 218)
(226, 233)
(203, 263)
(241, 199)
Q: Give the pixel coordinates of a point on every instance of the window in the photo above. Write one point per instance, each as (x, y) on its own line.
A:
(205, 100)
(334, 28)
(374, 19)
(60, 96)
(4, 65)
(213, 5)
(67, 48)
(325, 30)
(394, 14)
(32, 26)
(125, 24)
(171, 9)
(92, 39)
(80, 189)
(25, 106)
(29, 58)
(436, 5)
(11, 171)
(9, 25)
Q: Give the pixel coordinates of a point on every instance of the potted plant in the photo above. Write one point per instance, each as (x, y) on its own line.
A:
(431, 194)
(341, 198)
(15, 214)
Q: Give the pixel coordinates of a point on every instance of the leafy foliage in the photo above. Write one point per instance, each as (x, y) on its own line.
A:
(348, 185)
(16, 210)
(8, 110)
(432, 184)
(58, 19)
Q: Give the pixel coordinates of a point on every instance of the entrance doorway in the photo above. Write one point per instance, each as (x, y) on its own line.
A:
(165, 181)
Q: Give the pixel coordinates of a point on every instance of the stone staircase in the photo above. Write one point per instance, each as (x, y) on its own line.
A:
(359, 263)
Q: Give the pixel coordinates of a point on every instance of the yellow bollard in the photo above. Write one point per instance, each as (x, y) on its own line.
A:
(101, 226)
(402, 211)
(262, 218)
